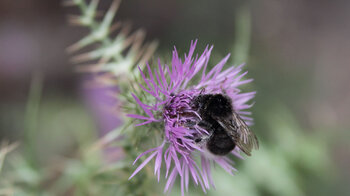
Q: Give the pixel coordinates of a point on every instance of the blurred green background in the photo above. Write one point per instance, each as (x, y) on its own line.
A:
(296, 51)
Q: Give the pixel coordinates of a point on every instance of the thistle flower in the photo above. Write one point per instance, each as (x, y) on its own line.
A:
(174, 89)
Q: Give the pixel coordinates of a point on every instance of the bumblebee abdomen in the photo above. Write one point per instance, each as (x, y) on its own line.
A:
(220, 144)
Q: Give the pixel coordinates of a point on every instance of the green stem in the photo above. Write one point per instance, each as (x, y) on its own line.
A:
(31, 117)
(243, 30)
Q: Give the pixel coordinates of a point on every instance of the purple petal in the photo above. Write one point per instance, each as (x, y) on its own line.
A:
(137, 116)
(144, 153)
(142, 165)
(171, 180)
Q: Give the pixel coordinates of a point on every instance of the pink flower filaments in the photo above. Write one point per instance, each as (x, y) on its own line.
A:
(174, 89)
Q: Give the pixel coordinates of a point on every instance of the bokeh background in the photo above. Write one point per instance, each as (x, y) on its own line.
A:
(296, 51)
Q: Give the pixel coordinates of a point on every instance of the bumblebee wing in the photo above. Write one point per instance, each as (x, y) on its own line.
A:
(247, 140)
(239, 131)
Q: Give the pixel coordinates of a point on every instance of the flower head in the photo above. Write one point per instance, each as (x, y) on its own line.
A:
(174, 90)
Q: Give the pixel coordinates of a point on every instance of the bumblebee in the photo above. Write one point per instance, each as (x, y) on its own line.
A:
(226, 128)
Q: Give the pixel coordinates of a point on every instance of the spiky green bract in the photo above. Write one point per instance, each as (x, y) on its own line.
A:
(117, 52)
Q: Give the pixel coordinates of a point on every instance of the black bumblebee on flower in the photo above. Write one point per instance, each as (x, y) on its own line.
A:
(205, 119)
(227, 129)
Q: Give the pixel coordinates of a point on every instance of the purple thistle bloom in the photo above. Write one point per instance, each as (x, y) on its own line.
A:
(173, 92)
